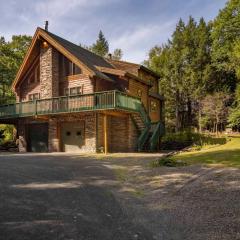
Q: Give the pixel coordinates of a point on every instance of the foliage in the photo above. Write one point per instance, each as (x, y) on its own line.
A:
(180, 140)
(214, 109)
(234, 116)
(101, 47)
(199, 60)
(226, 154)
(167, 162)
(225, 33)
(117, 54)
(184, 66)
(11, 56)
(6, 132)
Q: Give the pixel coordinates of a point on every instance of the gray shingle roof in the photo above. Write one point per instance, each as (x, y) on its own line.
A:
(86, 57)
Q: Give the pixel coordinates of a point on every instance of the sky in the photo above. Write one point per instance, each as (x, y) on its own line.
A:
(135, 26)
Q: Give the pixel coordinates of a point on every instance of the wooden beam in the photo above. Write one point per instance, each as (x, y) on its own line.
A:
(105, 134)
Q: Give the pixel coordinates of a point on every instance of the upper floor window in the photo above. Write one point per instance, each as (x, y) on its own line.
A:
(68, 68)
(73, 69)
(73, 91)
(34, 96)
(34, 77)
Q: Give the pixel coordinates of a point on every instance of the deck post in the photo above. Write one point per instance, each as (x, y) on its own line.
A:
(105, 134)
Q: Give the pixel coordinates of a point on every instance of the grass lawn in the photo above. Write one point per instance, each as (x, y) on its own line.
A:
(227, 154)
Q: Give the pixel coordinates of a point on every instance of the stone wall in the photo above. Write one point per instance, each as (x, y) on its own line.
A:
(49, 72)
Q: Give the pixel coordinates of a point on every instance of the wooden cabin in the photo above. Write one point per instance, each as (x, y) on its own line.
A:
(70, 99)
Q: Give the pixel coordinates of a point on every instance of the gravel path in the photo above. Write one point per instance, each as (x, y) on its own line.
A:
(60, 196)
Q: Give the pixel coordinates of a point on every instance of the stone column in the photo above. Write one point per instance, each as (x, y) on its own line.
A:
(49, 72)
(53, 136)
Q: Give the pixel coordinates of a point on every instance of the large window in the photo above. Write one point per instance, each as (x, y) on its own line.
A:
(73, 91)
(68, 68)
(34, 96)
(34, 77)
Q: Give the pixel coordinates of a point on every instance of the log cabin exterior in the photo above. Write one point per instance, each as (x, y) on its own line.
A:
(69, 99)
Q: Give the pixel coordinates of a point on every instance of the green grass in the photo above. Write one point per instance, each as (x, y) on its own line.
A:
(227, 154)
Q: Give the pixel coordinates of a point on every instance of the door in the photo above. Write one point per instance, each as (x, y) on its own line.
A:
(38, 137)
(72, 136)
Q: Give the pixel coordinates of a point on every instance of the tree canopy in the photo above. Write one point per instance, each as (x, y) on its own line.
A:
(11, 56)
(200, 60)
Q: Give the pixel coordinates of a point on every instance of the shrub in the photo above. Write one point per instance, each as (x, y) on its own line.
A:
(167, 162)
(180, 140)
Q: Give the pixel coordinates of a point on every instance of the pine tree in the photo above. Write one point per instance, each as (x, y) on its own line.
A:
(226, 31)
(117, 54)
(101, 47)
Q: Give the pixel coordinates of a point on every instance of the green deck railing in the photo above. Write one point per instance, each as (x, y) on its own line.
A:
(67, 104)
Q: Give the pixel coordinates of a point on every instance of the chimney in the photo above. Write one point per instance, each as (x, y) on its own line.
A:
(110, 56)
(46, 26)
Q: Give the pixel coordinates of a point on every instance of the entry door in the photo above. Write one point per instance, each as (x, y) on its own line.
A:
(38, 137)
(72, 135)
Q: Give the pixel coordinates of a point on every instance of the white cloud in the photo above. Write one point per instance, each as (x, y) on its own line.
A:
(136, 44)
(58, 8)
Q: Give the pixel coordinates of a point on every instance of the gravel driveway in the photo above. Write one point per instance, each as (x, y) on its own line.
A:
(60, 196)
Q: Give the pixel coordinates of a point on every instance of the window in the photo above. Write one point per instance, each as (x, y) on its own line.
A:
(153, 106)
(32, 97)
(73, 91)
(68, 68)
(35, 75)
(31, 78)
(73, 69)
(66, 91)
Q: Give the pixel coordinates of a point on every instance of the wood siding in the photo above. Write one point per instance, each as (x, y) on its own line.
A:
(103, 85)
(154, 115)
(135, 86)
(27, 89)
(77, 81)
(151, 79)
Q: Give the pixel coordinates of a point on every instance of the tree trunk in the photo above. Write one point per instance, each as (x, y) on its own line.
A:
(189, 113)
(199, 120)
(177, 113)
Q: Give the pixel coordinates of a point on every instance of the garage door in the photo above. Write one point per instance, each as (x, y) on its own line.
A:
(38, 137)
(72, 136)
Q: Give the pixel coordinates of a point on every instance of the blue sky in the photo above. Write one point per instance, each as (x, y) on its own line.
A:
(133, 25)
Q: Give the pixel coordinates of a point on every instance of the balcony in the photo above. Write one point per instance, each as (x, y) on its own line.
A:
(109, 100)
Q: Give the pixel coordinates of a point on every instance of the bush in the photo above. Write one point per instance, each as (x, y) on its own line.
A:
(7, 133)
(167, 162)
(180, 140)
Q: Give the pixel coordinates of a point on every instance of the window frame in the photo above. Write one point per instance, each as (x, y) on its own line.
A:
(33, 96)
(153, 106)
(68, 91)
